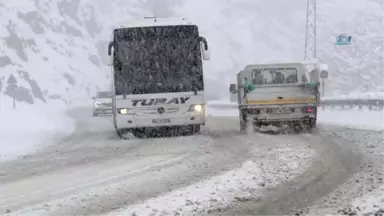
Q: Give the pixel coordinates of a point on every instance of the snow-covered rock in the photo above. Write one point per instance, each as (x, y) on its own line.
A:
(56, 50)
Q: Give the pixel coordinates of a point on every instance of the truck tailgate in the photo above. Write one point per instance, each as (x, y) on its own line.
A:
(280, 95)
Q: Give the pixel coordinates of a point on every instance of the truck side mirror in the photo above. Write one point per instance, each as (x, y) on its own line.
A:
(324, 74)
(323, 68)
(232, 88)
(204, 48)
(110, 53)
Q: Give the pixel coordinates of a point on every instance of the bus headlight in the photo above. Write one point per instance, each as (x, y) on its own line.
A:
(125, 111)
(196, 108)
(97, 104)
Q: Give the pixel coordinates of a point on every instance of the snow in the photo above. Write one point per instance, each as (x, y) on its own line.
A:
(222, 112)
(62, 44)
(219, 192)
(370, 203)
(239, 32)
(116, 174)
(26, 129)
(220, 102)
(365, 95)
(362, 119)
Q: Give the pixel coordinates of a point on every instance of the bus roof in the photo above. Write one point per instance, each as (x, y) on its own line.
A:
(155, 21)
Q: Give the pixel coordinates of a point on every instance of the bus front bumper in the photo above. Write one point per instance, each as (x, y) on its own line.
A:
(134, 121)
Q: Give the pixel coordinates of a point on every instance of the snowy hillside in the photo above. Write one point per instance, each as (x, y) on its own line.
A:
(360, 66)
(244, 31)
(56, 50)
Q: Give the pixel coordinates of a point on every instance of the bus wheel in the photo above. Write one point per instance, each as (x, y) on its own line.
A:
(197, 129)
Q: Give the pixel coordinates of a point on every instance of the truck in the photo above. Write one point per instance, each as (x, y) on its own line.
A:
(279, 94)
(157, 74)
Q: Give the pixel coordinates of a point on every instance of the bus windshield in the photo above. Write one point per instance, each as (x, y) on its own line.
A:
(157, 60)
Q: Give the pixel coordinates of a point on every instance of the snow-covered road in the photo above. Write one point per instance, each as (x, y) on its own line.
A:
(220, 171)
(94, 172)
(363, 192)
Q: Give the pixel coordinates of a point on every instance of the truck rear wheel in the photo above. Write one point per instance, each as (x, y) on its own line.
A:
(243, 122)
(312, 125)
(120, 133)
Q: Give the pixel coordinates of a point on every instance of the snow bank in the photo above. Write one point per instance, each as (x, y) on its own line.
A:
(80, 102)
(221, 108)
(221, 112)
(219, 192)
(371, 204)
(221, 102)
(27, 127)
(363, 119)
(365, 95)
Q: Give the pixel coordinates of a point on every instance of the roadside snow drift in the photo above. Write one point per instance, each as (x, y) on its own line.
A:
(219, 192)
(25, 128)
(363, 119)
(363, 193)
(370, 204)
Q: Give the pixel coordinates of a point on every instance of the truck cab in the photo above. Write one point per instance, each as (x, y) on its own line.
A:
(281, 94)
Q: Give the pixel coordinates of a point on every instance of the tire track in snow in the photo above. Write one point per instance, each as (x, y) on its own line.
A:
(218, 149)
(333, 166)
(269, 169)
(40, 189)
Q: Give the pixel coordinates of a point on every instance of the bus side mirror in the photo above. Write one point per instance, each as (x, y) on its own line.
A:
(206, 55)
(204, 48)
(110, 53)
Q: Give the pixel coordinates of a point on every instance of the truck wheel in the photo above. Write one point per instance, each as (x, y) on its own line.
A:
(312, 125)
(120, 133)
(243, 122)
(297, 128)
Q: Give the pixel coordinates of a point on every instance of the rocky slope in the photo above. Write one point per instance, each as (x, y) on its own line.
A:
(56, 50)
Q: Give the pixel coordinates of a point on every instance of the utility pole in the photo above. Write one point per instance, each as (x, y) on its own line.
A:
(310, 49)
(310, 31)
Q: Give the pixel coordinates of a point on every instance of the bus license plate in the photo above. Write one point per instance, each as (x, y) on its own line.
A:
(161, 121)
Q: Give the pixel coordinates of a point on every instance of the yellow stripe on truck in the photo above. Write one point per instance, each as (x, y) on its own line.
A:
(282, 101)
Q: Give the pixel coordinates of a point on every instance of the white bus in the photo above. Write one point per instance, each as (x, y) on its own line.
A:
(157, 74)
